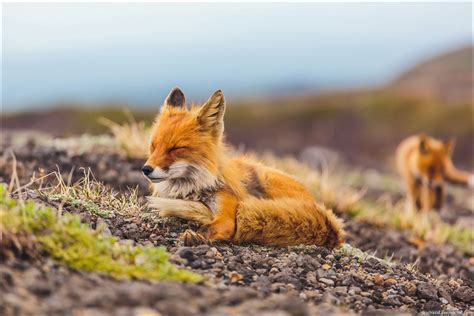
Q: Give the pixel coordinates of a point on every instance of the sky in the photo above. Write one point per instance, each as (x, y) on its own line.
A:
(94, 53)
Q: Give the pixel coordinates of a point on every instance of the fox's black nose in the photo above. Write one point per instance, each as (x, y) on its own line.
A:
(147, 169)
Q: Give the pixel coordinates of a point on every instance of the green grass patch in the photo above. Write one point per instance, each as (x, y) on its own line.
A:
(89, 206)
(69, 241)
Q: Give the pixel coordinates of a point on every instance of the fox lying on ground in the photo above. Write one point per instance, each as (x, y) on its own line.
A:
(235, 199)
(425, 164)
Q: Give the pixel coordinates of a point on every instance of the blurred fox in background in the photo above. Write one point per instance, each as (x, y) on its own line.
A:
(425, 165)
(236, 199)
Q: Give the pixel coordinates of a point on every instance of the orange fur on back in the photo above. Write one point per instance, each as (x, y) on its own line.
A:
(236, 199)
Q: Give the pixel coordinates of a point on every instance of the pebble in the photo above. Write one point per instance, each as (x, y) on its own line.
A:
(464, 293)
(427, 291)
(326, 266)
(326, 281)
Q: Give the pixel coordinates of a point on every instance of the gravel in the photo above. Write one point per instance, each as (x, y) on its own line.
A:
(305, 280)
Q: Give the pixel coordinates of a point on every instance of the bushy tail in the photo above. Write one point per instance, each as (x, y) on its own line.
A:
(287, 222)
(459, 177)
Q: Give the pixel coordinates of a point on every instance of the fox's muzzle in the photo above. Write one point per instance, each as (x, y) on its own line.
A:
(147, 170)
(154, 174)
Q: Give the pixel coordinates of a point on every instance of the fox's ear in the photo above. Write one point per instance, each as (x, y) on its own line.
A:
(449, 146)
(211, 114)
(175, 99)
(423, 143)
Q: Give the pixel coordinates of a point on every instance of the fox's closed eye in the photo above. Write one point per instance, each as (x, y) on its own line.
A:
(176, 149)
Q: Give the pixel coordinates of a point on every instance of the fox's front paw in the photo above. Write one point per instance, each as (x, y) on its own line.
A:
(191, 238)
(162, 207)
(157, 203)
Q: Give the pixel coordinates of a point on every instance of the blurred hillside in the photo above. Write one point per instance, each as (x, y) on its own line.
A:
(448, 76)
(365, 125)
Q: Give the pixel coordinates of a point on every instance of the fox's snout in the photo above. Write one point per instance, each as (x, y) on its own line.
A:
(147, 170)
(154, 174)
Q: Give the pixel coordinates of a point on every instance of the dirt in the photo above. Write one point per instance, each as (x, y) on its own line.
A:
(442, 261)
(241, 279)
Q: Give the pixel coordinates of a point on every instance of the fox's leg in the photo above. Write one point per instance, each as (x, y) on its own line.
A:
(222, 227)
(414, 192)
(426, 198)
(190, 210)
(437, 197)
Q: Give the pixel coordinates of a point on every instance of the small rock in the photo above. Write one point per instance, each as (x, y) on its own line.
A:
(464, 293)
(235, 277)
(187, 253)
(327, 281)
(378, 279)
(321, 273)
(326, 266)
(444, 294)
(274, 270)
(196, 264)
(426, 290)
(432, 306)
(145, 311)
(340, 290)
(356, 289)
(390, 281)
(311, 277)
(6, 277)
(391, 301)
(410, 288)
(40, 288)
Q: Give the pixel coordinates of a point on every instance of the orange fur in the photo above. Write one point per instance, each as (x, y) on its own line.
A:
(425, 164)
(241, 200)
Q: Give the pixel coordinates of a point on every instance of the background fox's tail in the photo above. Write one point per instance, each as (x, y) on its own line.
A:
(287, 222)
(459, 177)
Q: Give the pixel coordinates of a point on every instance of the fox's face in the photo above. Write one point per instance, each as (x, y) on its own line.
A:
(432, 158)
(184, 143)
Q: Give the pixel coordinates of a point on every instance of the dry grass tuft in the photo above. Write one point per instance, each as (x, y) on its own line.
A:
(132, 137)
(93, 196)
(332, 188)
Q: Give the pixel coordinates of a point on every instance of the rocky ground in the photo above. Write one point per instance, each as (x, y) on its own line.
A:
(241, 280)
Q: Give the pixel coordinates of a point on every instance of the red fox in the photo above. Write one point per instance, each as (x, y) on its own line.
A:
(235, 199)
(425, 164)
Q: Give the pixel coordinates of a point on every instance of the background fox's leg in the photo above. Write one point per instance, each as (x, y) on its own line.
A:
(190, 210)
(426, 198)
(437, 197)
(414, 192)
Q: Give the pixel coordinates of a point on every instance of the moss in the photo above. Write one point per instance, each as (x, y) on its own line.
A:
(88, 206)
(66, 239)
(362, 256)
